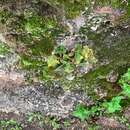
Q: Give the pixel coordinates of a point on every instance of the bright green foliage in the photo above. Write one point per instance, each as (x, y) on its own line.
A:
(54, 123)
(33, 117)
(81, 112)
(124, 82)
(10, 124)
(126, 89)
(125, 78)
(113, 105)
(38, 26)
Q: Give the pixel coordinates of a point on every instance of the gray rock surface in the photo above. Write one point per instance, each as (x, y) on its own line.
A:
(49, 101)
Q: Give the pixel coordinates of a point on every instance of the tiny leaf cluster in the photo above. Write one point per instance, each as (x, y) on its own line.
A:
(111, 106)
(68, 60)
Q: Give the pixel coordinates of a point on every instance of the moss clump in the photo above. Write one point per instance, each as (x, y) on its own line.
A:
(38, 26)
(74, 7)
(60, 62)
(3, 49)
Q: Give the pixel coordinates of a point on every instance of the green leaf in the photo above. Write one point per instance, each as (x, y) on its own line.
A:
(68, 68)
(3, 49)
(60, 50)
(78, 56)
(125, 78)
(30, 119)
(26, 63)
(81, 112)
(113, 105)
(124, 82)
(52, 61)
(126, 89)
(54, 124)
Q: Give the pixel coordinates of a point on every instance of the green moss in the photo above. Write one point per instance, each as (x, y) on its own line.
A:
(3, 49)
(38, 26)
(10, 124)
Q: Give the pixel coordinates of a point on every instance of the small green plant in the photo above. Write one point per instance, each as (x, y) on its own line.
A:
(34, 117)
(41, 120)
(124, 82)
(113, 105)
(66, 123)
(83, 113)
(38, 26)
(10, 124)
(54, 123)
(68, 60)
(3, 49)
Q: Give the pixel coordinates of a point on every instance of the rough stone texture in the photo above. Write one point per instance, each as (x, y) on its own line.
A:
(112, 77)
(109, 44)
(8, 61)
(127, 113)
(40, 98)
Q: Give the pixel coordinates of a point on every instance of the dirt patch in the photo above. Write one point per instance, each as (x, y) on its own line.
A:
(110, 123)
(10, 79)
